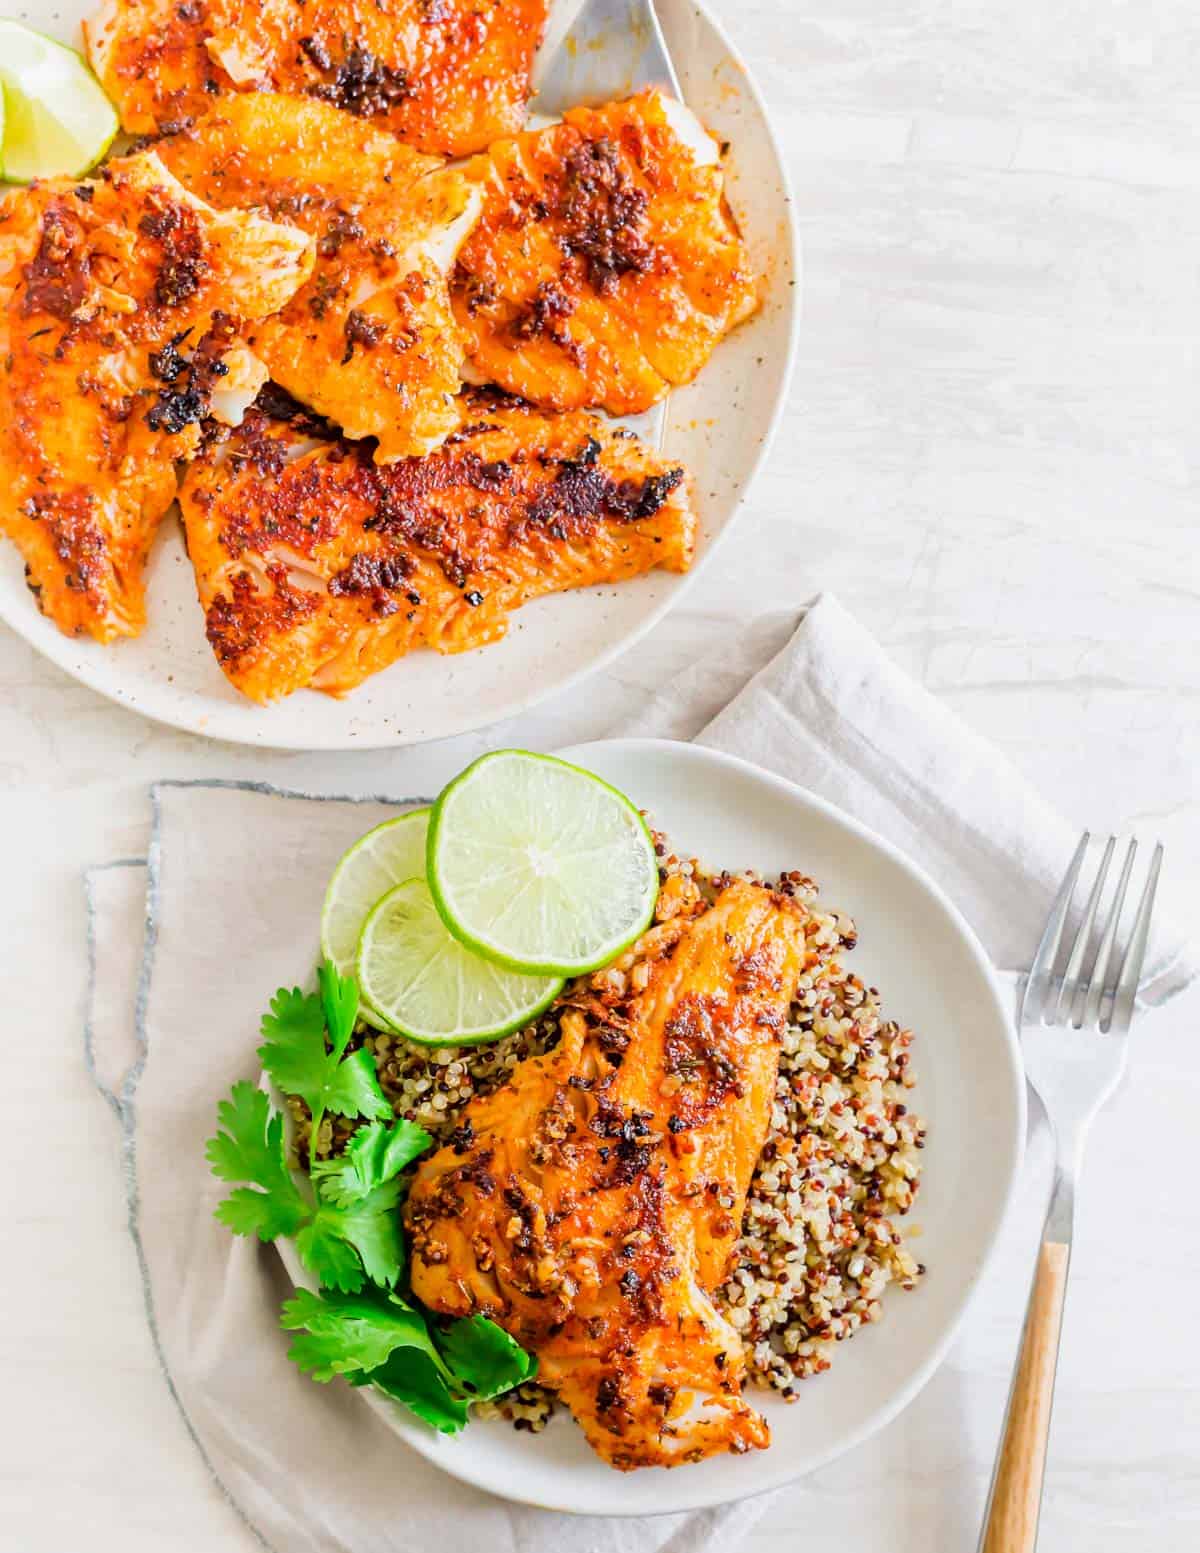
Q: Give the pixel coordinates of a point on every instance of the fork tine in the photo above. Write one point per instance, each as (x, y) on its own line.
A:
(1042, 968)
(1131, 967)
(1065, 1007)
(1099, 977)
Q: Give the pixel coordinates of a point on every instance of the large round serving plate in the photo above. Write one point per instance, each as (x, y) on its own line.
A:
(934, 977)
(720, 427)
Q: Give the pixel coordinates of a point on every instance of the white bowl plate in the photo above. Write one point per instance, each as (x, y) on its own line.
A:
(719, 427)
(934, 977)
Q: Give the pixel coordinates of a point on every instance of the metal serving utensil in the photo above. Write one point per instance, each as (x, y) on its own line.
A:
(599, 50)
(1075, 1040)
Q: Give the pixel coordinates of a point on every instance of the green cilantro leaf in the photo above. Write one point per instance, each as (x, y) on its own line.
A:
(251, 1149)
(294, 1054)
(295, 1018)
(371, 1228)
(329, 1256)
(375, 1154)
(249, 1212)
(353, 1088)
(375, 1340)
(347, 1334)
(376, 1238)
(484, 1359)
(339, 1000)
(415, 1380)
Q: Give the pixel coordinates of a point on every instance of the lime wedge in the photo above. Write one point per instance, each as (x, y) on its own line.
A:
(540, 866)
(376, 863)
(57, 121)
(429, 987)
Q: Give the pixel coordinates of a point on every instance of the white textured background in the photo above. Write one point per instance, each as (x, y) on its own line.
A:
(991, 454)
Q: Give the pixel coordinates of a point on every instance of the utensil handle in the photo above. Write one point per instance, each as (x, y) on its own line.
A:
(1012, 1522)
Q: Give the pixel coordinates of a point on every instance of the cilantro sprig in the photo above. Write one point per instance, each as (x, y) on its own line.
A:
(305, 1040)
(343, 1239)
(345, 1218)
(378, 1340)
(375, 1155)
(250, 1148)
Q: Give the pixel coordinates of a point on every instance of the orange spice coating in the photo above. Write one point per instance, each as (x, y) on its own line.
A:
(119, 301)
(370, 339)
(445, 75)
(606, 266)
(317, 567)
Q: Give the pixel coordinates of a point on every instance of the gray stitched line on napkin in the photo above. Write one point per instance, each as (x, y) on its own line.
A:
(116, 1102)
(122, 1103)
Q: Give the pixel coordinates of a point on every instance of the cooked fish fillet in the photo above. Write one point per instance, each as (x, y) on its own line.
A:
(119, 302)
(606, 266)
(316, 566)
(370, 340)
(445, 75)
(591, 1204)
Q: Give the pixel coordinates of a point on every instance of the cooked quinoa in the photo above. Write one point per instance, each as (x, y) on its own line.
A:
(840, 1166)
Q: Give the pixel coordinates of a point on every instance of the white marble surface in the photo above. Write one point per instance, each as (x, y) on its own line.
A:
(991, 455)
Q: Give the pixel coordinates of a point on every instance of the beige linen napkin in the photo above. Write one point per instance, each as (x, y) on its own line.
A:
(228, 901)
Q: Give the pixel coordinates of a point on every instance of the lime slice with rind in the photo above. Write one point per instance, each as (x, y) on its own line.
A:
(57, 121)
(432, 989)
(539, 865)
(375, 864)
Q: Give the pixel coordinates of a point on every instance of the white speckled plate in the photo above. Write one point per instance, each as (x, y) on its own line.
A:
(934, 977)
(720, 426)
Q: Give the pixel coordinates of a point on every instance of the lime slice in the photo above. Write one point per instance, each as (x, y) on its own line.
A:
(432, 989)
(539, 865)
(376, 863)
(57, 121)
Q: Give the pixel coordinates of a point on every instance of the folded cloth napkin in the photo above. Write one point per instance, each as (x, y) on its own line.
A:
(229, 896)
(823, 706)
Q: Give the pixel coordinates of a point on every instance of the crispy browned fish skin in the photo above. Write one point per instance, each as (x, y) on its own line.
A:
(606, 266)
(97, 279)
(317, 567)
(445, 75)
(591, 1204)
(370, 340)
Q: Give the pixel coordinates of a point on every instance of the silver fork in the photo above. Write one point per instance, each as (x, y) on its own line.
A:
(1074, 1036)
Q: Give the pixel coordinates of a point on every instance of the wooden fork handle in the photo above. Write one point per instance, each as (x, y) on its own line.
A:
(1017, 1492)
